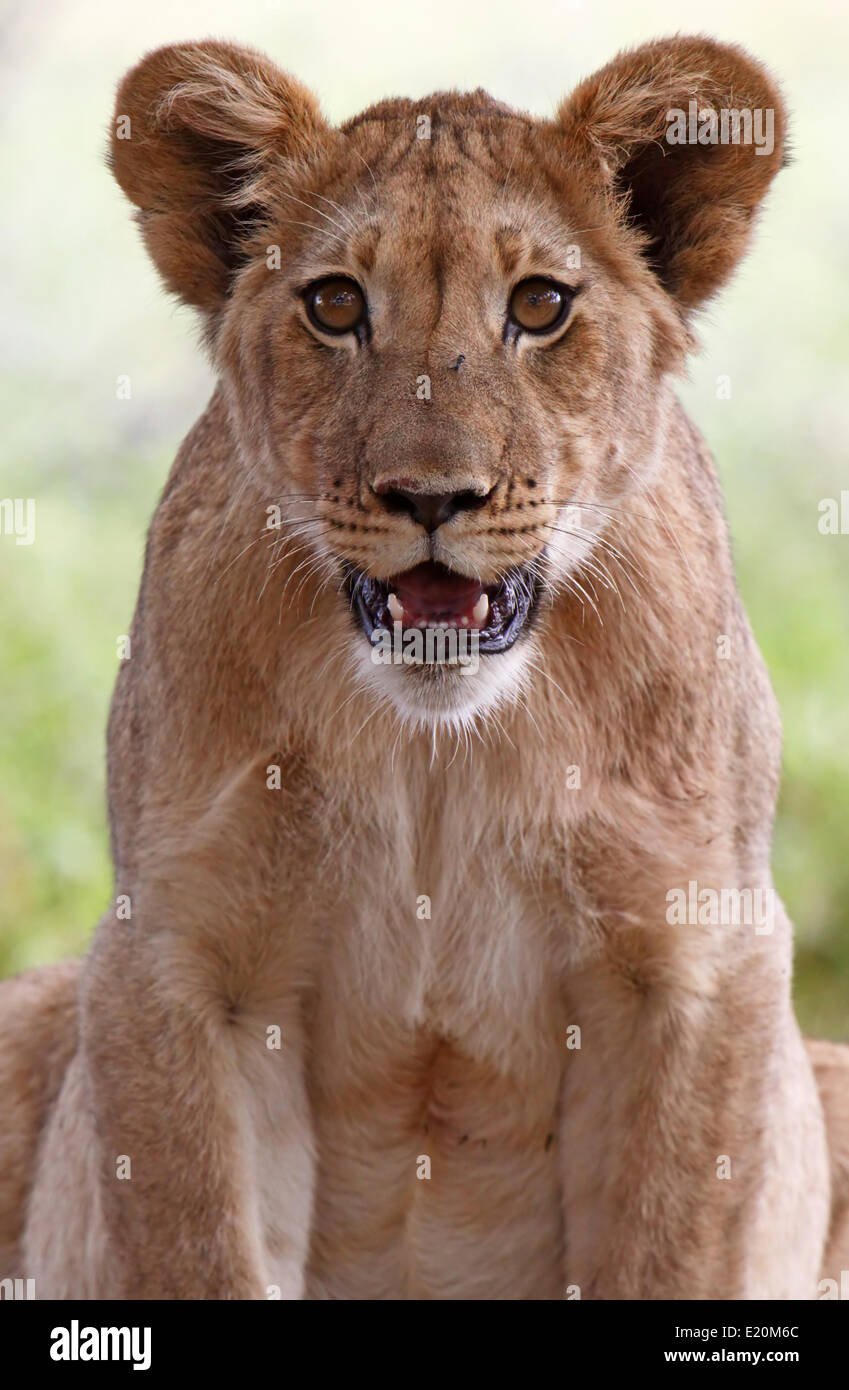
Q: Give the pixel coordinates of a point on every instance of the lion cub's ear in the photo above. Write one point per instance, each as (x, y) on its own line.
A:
(690, 133)
(198, 134)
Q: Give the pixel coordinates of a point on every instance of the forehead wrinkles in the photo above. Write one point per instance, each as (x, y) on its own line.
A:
(456, 185)
(466, 163)
(436, 211)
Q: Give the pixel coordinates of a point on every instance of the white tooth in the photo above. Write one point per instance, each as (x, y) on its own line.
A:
(480, 610)
(464, 622)
(396, 608)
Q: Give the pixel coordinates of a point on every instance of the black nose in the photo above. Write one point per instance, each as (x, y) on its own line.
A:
(430, 509)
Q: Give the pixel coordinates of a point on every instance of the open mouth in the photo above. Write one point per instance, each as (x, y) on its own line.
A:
(431, 596)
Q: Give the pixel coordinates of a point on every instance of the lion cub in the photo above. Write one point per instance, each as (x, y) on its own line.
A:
(444, 960)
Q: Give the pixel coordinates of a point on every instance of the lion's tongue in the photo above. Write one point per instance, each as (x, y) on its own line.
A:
(430, 594)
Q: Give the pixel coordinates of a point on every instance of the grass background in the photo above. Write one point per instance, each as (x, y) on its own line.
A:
(83, 307)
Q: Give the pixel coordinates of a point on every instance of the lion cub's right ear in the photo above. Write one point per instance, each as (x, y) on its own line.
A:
(200, 136)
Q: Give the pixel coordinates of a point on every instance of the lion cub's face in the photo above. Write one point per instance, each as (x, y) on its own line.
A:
(445, 358)
(442, 338)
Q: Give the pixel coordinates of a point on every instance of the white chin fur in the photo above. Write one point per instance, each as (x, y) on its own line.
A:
(432, 697)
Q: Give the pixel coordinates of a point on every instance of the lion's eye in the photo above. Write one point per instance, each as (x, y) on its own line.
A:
(539, 305)
(336, 305)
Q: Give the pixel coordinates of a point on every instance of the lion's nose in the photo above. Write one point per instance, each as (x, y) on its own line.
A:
(429, 509)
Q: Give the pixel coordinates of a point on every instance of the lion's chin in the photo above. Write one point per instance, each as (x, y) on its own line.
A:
(447, 694)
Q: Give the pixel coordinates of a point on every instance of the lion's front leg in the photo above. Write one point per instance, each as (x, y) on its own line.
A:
(178, 1162)
(692, 1155)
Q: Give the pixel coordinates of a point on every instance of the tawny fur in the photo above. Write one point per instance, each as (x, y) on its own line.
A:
(280, 806)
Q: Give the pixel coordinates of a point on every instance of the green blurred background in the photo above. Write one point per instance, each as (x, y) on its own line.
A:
(83, 308)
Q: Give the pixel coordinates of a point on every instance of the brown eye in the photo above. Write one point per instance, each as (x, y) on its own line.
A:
(336, 305)
(539, 305)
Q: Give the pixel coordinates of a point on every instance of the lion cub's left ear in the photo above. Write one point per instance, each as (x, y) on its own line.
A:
(689, 133)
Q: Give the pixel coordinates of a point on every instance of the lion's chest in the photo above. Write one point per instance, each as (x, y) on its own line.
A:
(420, 990)
(436, 1040)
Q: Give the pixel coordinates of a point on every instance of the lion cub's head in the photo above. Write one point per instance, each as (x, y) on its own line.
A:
(444, 328)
